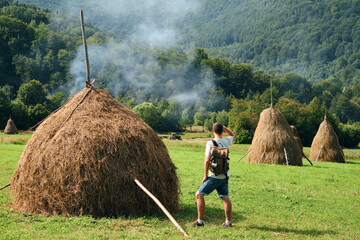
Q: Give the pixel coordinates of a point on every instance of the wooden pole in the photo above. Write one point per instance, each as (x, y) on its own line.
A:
(161, 206)
(319, 154)
(5, 186)
(271, 93)
(88, 84)
(350, 151)
(244, 155)
(261, 157)
(307, 159)
(286, 157)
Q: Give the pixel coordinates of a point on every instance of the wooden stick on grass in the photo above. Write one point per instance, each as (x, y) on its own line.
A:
(5, 186)
(161, 206)
(307, 158)
(244, 155)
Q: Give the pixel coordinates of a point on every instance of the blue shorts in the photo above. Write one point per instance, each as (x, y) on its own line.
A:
(211, 184)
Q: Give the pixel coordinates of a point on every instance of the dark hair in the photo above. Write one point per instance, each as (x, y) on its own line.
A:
(218, 128)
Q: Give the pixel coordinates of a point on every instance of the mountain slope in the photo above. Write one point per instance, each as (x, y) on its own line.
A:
(315, 38)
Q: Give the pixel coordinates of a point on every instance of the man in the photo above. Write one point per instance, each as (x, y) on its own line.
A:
(211, 181)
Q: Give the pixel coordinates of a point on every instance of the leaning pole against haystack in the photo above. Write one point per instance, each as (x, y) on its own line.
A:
(10, 127)
(325, 146)
(88, 158)
(273, 141)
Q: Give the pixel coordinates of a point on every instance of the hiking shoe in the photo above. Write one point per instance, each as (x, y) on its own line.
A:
(227, 225)
(197, 224)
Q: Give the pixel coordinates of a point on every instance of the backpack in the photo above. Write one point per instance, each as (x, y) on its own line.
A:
(219, 160)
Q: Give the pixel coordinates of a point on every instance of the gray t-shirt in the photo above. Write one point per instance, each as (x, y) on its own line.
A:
(222, 142)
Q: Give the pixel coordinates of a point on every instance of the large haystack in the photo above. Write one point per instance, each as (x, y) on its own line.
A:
(10, 127)
(325, 146)
(272, 136)
(297, 137)
(88, 165)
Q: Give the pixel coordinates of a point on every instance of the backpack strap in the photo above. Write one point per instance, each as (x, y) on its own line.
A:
(215, 143)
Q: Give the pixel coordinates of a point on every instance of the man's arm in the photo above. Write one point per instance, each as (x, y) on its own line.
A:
(228, 132)
(206, 167)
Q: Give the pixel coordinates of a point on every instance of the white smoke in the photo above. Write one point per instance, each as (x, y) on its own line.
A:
(130, 65)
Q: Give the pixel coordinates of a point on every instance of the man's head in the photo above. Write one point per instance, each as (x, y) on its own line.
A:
(218, 128)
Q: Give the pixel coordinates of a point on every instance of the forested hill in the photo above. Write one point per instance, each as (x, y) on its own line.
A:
(42, 63)
(316, 39)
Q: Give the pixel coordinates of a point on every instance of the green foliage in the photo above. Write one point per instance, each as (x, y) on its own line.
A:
(316, 39)
(243, 136)
(349, 135)
(149, 113)
(187, 117)
(200, 117)
(37, 113)
(222, 117)
(56, 101)
(5, 112)
(15, 37)
(311, 43)
(32, 93)
(33, 47)
(20, 115)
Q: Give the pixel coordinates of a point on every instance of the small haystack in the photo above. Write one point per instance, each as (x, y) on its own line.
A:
(88, 164)
(10, 127)
(297, 137)
(325, 146)
(273, 141)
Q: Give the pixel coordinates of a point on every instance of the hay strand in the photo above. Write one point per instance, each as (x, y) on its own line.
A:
(161, 206)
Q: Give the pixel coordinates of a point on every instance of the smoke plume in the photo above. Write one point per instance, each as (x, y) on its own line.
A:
(128, 65)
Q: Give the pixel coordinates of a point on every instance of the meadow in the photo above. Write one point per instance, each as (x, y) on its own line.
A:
(269, 201)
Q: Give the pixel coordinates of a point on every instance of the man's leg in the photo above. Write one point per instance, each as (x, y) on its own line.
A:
(227, 208)
(200, 205)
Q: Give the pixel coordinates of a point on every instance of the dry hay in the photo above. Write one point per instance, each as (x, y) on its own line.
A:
(272, 135)
(88, 165)
(10, 127)
(327, 141)
(297, 137)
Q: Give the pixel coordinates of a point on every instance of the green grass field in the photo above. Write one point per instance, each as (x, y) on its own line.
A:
(269, 201)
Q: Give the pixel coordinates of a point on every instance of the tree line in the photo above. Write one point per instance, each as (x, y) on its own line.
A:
(37, 48)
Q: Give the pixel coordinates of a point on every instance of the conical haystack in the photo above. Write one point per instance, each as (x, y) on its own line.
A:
(273, 141)
(325, 146)
(87, 166)
(297, 137)
(10, 127)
